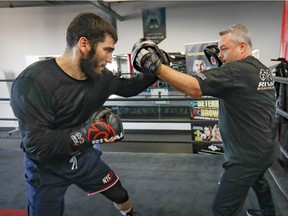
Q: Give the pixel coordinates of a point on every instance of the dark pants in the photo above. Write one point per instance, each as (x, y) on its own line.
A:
(47, 183)
(233, 188)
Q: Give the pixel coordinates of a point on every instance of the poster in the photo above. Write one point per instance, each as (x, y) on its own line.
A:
(204, 109)
(205, 131)
(209, 138)
(196, 61)
(154, 24)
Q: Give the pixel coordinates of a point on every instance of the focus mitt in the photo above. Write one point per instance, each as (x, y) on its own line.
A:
(146, 56)
(211, 52)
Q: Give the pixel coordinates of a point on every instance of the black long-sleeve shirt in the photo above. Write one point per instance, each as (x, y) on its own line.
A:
(49, 104)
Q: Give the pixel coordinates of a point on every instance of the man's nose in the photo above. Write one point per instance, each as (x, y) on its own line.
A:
(109, 58)
(220, 55)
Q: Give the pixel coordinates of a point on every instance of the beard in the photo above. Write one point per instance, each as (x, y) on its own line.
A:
(89, 66)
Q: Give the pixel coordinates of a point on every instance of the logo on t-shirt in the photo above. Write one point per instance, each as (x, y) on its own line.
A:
(266, 82)
(201, 75)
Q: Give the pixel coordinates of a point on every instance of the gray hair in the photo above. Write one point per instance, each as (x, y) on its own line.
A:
(239, 33)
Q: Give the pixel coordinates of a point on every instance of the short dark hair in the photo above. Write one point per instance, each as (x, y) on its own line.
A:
(91, 26)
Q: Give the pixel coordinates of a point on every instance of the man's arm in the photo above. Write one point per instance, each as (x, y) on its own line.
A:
(131, 87)
(183, 82)
(149, 59)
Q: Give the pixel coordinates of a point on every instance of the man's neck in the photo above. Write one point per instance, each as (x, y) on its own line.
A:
(70, 64)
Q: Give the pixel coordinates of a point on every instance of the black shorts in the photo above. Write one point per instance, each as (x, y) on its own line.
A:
(47, 183)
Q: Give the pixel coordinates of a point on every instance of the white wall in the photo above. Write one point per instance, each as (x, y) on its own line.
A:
(41, 30)
(201, 21)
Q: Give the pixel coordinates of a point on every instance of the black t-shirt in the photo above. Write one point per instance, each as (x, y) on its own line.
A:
(49, 104)
(246, 110)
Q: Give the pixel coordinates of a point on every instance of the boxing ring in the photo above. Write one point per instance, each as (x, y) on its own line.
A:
(166, 113)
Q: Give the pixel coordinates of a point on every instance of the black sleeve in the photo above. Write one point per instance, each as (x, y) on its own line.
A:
(134, 86)
(35, 107)
(216, 82)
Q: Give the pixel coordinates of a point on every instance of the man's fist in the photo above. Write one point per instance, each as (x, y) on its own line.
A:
(103, 126)
(147, 57)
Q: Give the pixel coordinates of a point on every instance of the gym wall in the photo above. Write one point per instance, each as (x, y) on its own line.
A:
(30, 31)
(41, 30)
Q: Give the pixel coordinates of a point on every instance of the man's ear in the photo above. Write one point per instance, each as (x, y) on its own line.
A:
(84, 45)
(243, 47)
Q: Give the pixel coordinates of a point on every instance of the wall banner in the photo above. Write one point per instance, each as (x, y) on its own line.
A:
(154, 24)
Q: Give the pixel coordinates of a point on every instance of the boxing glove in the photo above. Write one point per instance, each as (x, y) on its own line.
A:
(103, 126)
(211, 52)
(146, 56)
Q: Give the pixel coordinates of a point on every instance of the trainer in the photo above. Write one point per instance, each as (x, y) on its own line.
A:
(246, 94)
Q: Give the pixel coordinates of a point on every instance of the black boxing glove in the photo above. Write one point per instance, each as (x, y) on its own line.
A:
(211, 52)
(103, 126)
(146, 56)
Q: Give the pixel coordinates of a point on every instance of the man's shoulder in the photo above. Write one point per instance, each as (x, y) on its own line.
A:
(38, 73)
(254, 61)
(37, 69)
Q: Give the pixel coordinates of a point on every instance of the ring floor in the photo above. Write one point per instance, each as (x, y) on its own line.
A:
(170, 183)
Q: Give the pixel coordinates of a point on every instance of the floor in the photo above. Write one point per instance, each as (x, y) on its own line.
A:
(163, 179)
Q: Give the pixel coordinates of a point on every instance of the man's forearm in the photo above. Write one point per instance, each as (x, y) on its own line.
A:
(180, 81)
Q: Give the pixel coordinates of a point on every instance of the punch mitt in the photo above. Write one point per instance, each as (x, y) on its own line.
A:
(146, 56)
(211, 52)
